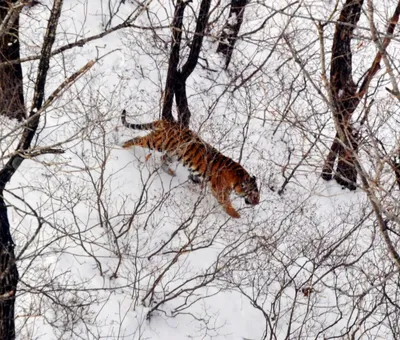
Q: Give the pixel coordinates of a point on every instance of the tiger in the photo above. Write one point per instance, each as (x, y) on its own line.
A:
(206, 164)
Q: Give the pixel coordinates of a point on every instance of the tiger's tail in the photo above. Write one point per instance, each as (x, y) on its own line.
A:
(148, 126)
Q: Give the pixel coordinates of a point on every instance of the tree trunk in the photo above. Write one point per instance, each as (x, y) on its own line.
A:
(345, 95)
(231, 29)
(176, 80)
(345, 99)
(8, 268)
(329, 165)
(169, 90)
(8, 275)
(181, 101)
(346, 172)
(11, 85)
(11, 105)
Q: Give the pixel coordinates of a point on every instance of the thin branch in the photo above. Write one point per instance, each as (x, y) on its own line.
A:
(173, 62)
(378, 213)
(197, 41)
(30, 129)
(10, 18)
(281, 35)
(382, 50)
(81, 42)
(57, 92)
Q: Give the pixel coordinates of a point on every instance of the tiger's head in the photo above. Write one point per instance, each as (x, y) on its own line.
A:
(247, 188)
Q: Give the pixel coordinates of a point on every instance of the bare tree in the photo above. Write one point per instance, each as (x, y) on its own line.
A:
(12, 105)
(230, 31)
(11, 84)
(176, 79)
(8, 269)
(106, 243)
(346, 96)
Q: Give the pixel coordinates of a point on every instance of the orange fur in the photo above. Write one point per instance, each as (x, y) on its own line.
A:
(224, 174)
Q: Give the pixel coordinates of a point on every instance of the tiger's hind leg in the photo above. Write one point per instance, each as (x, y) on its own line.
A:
(223, 198)
(136, 142)
(129, 143)
(150, 142)
(144, 142)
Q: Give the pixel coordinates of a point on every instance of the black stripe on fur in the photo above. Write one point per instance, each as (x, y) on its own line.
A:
(148, 126)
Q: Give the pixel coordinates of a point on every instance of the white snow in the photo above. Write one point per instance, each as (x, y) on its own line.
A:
(232, 20)
(114, 235)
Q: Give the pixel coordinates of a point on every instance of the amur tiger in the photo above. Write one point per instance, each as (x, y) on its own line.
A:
(204, 162)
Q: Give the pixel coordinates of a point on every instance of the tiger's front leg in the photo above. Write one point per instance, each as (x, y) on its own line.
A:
(223, 198)
(166, 161)
(196, 179)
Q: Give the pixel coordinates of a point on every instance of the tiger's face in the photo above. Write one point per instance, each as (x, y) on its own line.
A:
(248, 189)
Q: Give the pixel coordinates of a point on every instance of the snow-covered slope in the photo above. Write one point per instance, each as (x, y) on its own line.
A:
(109, 246)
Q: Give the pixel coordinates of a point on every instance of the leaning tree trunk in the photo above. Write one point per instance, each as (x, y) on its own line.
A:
(8, 268)
(11, 86)
(345, 95)
(176, 79)
(8, 274)
(231, 29)
(11, 105)
(169, 90)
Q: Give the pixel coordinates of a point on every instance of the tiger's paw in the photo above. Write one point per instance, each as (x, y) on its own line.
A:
(168, 170)
(232, 212)
(195, 179)
(171, 172)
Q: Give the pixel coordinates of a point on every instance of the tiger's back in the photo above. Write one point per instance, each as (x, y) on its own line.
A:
(180, 142)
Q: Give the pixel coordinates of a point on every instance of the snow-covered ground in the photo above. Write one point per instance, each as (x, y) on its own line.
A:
(109, 246)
